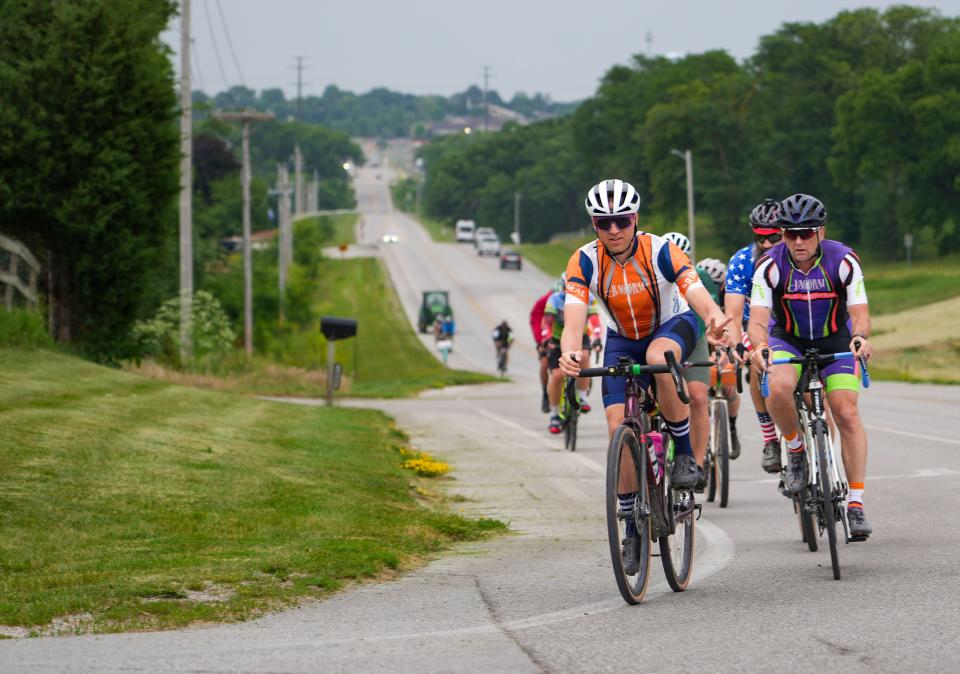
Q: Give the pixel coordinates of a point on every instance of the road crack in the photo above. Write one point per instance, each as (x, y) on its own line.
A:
(501, 625)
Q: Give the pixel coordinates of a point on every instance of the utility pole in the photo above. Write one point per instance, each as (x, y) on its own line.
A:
(299, 67)
(246, 116)
(516, 218)
(649, 40)
(486, 102)
(687, 157)
(186, 190)
(284, 230)
(313, 193)
(299, 195)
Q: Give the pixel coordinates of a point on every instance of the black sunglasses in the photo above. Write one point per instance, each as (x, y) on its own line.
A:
(802, 234)
(772, 238)
(621, 221)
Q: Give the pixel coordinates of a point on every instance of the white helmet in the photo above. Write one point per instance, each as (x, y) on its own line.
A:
(715, 269)
(679, 240)
(612, 197)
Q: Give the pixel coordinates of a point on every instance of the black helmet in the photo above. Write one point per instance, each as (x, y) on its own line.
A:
(764, 218)
(801, 211)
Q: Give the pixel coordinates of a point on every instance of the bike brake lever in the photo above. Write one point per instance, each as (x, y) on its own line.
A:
(677, 378)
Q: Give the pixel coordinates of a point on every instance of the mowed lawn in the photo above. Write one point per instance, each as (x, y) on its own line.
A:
(128, 503)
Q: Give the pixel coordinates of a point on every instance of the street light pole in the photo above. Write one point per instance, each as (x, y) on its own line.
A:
(687, 157)
(186, 190)
(516, 218)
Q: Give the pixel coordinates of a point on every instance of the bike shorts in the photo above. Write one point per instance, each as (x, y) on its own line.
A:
(840, 375)
(681, 329)
(553, 355)
(701, 352)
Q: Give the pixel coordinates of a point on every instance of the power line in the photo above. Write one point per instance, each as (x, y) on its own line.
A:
(226, 32)
(216, 49)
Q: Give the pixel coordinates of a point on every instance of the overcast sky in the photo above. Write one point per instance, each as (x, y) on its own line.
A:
(558, 47)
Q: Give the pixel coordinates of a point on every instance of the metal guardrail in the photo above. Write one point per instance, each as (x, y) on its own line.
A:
(19, 270)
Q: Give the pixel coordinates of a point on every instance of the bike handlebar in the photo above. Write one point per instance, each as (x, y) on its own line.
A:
(631, 369)
(822, 359)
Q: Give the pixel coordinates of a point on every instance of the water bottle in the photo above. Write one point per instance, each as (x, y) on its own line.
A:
(655, 447)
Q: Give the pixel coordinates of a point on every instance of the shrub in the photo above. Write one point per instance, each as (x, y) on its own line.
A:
(24, 329)
(213, 336)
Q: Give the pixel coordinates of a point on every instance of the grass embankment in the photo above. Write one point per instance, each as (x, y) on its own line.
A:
(128, 504)
(343, 228)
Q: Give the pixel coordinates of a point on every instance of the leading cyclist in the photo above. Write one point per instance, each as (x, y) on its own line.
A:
(812, 285)
(634, 275)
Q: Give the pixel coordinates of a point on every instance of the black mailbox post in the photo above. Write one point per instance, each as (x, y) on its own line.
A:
(334, 328)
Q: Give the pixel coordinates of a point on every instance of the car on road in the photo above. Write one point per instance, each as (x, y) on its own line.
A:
(433, 303)
(390, 238)
(465, 230)
(483, 232)
(510, 259)
(488, 245)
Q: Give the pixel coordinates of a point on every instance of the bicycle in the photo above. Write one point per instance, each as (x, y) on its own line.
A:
(825, 495)
(660, 513)
(502, 360)
(717, 461)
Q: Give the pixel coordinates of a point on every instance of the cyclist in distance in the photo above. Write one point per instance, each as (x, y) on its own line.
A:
(553, 324)
(502, 338)
(536, 325)
(811, 286)
(645, 283)
(736, 304)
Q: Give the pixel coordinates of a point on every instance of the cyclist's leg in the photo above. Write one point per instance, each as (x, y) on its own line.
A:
(554, 385)
(697, 382)
(782, 380)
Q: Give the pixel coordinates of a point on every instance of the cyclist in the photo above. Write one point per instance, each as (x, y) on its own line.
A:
(736, 304)
(811, 286)
(698, 379)
(717, 271)
(552, 329)
(502, 338)
(536, 322)
(645, 283)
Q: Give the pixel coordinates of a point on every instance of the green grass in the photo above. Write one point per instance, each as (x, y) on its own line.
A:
(23, 328)
(932, 363)
(891, 287)
(551, 258)
(121, 496)
(439, 231)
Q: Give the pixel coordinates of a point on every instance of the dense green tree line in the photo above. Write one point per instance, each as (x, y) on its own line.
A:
(88, 158)
(379, 112)
(860, 110)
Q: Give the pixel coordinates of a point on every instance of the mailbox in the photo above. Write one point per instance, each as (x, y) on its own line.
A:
(337, 328)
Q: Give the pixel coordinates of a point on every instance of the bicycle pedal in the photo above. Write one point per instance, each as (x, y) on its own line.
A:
(857, 539)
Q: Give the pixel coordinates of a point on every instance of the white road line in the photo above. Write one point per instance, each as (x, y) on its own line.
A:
(911, 434)
(917, 473)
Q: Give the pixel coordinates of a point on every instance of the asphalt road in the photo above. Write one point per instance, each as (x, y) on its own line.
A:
(543, 599)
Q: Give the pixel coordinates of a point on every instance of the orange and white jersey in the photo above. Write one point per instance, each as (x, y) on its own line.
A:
(638, 295)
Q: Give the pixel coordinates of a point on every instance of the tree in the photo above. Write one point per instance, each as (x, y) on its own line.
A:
(88, 157)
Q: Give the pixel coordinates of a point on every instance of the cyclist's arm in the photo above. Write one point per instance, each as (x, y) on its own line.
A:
(733, 307)
(701, 302)
(571, 340)
(761, 302)
(546, 325)
(860, 329)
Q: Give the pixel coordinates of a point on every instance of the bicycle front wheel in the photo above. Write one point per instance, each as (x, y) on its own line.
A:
(676, 550)
(722, 434)
(826, 500)
(627, 474)
(572, 430)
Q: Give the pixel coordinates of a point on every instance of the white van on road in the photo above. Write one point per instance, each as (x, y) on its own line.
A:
(465, 230)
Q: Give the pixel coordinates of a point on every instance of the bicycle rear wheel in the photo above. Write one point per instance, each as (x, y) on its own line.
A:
(826, 500)
(676, 550)
(627, 466)
(711, 469)
(572, 430)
